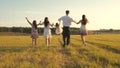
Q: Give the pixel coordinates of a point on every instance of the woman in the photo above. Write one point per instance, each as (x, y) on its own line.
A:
(47, 31)
(83, 30)
(34, 32)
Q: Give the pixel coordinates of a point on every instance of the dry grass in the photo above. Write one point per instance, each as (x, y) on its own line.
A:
(102, 51)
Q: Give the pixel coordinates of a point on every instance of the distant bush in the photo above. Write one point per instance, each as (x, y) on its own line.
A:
(40, 30)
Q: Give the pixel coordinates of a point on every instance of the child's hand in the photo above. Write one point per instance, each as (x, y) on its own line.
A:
(40, 23)
(52, 24)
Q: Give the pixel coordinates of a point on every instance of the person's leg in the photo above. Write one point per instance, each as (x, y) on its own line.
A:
(47, 41)
(68, 39)
(64, 36)
(35, 41)
(32, 41)
(64, 41)
(83, 39)
(68, 36)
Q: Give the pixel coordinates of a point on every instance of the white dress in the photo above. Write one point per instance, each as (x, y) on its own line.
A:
(58, 30)
(83, 30)
(47, 32)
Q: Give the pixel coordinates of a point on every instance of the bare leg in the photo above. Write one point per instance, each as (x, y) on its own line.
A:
(47, 41)
(32, 41)
(83, 39)
(35, 42)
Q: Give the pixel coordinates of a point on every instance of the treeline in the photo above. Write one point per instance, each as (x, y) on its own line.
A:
(28, 30)
(106, 31)
(74, 31)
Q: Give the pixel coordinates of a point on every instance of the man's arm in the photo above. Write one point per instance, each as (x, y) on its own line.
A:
(60, 20)
(73, 21)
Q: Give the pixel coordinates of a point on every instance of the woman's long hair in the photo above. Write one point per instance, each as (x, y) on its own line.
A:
(46, 21)
(34, 23)
(84, 20)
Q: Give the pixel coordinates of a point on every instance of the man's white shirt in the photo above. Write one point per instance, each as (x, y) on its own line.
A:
(66, 20)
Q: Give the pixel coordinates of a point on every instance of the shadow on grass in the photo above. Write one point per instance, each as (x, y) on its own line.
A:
(107, 47)
(77, 39)
(116, 65)
(65, 51)
(101, 59)
(13, 48)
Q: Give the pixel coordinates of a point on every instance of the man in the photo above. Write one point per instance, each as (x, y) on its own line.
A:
(66, 27)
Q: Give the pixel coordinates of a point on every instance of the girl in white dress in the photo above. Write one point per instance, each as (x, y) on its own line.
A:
(58, 29)
(83, 30)
(47, 31)
(34, 32)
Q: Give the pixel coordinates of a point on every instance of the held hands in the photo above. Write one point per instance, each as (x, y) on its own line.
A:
(40, 23)
(52, 24)
(77, 23)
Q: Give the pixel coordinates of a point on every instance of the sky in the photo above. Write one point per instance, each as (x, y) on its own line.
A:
(102, 14)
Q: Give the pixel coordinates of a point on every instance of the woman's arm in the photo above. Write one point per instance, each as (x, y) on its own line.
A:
(40, 23)
(79, 22)
(28, 20)
(52, 24)
(88, 21)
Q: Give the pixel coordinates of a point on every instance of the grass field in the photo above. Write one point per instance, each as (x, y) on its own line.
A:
(102, 51)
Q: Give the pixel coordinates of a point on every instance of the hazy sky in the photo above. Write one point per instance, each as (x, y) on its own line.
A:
(102, 14)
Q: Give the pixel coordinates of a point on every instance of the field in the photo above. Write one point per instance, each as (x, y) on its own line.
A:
(102, 51)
